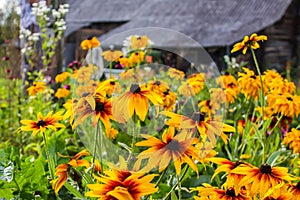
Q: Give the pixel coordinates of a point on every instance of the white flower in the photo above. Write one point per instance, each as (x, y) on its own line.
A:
(56, 14)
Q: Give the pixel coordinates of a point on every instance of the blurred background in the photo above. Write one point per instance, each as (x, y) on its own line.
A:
(216, 25)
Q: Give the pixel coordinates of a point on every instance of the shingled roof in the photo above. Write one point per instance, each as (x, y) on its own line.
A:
(209, 22)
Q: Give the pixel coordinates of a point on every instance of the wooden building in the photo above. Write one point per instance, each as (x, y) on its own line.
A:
(216, 25)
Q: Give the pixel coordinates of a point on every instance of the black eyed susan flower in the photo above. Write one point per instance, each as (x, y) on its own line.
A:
(137, 57)
(208, 106)
(262, 179)
(37, 87)
(287, 104)
(295, 191)
(112, 55)
(88, 88)
(178, 148)
(50, 121)
(282, 86)
(62, 93)
(125, 62)
(207, 127)
(109, 86)
(139, 42)
(227, 166)
(98, 108)
(62, 77)
(249, 42)
(135, 100)
(280, 192)
(292, 139)
(169, 100)
(176, 74)
(90, 43)
(249, 83)
(206, 151)
(62, 170)
(84, 73)
(213, 193)
(120, 183)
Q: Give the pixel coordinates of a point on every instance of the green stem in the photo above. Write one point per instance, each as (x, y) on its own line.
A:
(262, 99)
(159, 180)
(73, 190)
(110, 69)
(179, 188)
(276, 123)
(97, 134)
(178, 182)
(49, 158)
(261, 82)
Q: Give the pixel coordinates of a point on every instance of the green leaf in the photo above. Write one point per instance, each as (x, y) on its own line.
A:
(273, 157)
(6, 193)
(173, 196)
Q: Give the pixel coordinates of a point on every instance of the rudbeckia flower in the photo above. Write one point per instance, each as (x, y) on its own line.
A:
(205, 125)
(208, 106)
(112, 55)
(175, 73)
(169, 100)
(293, 140)
(287, 104)
(263, 178)
(249, 84)
(120, 183)
(62, 77)
(135, 100)
(97, 108)
(139, 42)
(125, 62)
(37, 87)
(69, 105)
(249, 42)
(88, 88)
(62, 170)
(178, 148)
(62, 93)
(206, 151)
(227, 166)
(90, 43)
(43, 123)
(279, 192)
(295, 191)
(84, 73)
(137, 57)
(214, 193)
(109, 86)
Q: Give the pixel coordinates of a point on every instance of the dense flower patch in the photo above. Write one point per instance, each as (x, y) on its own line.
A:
(155, 132)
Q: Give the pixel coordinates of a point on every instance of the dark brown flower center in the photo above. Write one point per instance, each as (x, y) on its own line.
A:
(253, 76)
(112, 83)
(226, 74)
(298, 185)
(157, 83)
(266, 169)
(135, 88)
(237, 163)
(166, 92)
(198, 117)
(173, 145)
(230, 192)
(231, 85)
(269, 198)
(85, 94)
(289, 98)
(41, 123)
(99, 106)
